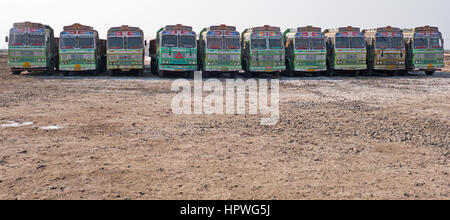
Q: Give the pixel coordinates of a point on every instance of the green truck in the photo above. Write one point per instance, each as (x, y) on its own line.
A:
(386, 50)
(81, 50)
(263, 51)
(424, 49)
(32, 47)
(305, 50)
(126, 50)
(346, 50)
(219, 50)
(174, 50)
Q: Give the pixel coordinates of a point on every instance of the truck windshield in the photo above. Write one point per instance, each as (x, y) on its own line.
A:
(86, 42)
(420, 43)
(187, 41)
(169, 41)
(435, 42)
(317, 43)
(68, 42)
(397, 42)
(358, 42)
(301, 43)
(115, 43)
(342, 42)
(382, 42)
(135, 43)
(232, 43)
(275, 43)
(259, 43)
(215, 42)
(37, 39)
(17, 39)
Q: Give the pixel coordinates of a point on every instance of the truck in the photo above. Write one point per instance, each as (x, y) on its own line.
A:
(219, 50)
(424, 49)
(81, 50)
(263, 51)
(346, 50)
(32, 47)
(386, 50)
(305, 50)
(126, 50)
(174, 50)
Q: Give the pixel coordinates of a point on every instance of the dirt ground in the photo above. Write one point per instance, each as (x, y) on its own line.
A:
(117, 138)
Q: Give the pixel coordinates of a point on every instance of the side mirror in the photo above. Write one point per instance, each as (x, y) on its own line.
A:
(6, 39)
(145, 43)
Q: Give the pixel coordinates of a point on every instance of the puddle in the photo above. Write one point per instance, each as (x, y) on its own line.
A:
(13, 124)
(51, 127)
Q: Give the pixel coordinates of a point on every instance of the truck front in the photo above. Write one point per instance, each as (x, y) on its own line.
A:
(428, 50)
(350, 50)
(125, 50)
(310, 52)
(77, 49)
(27, 49)
(178, 49)
(223, 50)
(389, 48)
(267, 53)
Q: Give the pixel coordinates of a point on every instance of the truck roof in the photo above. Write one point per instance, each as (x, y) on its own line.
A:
(388, 29)
(265, 28)
(309, 29)
(222, 27)
(124, 28)
(78, 27)
(28, 24)
(178, 27)
(426, 29)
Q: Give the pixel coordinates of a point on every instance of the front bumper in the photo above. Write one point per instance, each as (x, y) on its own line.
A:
(223, 68)
(267, 68)
(76, 67)
(120, 67)
(178, 68)
(310, 68)
(27, 66)
(350, 67)
(428, 67)
(389, 67)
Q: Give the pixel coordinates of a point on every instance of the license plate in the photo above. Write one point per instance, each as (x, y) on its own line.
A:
(125, 70)
(430, 66)
(311, 70)
(77, 67)
(391, 67)
(26, 65)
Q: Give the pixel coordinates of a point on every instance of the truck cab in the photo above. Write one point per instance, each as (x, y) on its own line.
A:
(346, 49)
(386, 49)
(219, 50)
(305, 50)
(424, 49)
(126, 50)
(263, 50)
(81, 50)
(32, 47)
(174, 50)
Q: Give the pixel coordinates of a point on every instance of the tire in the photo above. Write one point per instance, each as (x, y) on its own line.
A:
(153, 66)
(16, 72)
(66, 73)
(140, 72)
(248, 74)
(189, 75)
(276, 75)
(205, 74)
(356, 74)
(369, 72)
(316, 74)
(430, 73)
(289, 73)
(233, 75)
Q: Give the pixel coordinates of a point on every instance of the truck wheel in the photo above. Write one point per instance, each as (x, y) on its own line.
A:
(248, 74)
(289, 72)
(205, 74)
(153, 66)
(276, 75)
(430, 73)
(189, 75)
(369, 72)
(316, 74)
(16, 72)
(356, 74)
(66, 73)
(233, 75)
(140, 73)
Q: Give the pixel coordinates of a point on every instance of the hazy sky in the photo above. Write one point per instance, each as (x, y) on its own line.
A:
(150, 15)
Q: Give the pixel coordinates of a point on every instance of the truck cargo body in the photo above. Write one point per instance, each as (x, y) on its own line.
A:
(32, 47)
(424, 49)
(263, 50)
(80, 49)
(305, 50)
(126, 49)
(220, 50)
